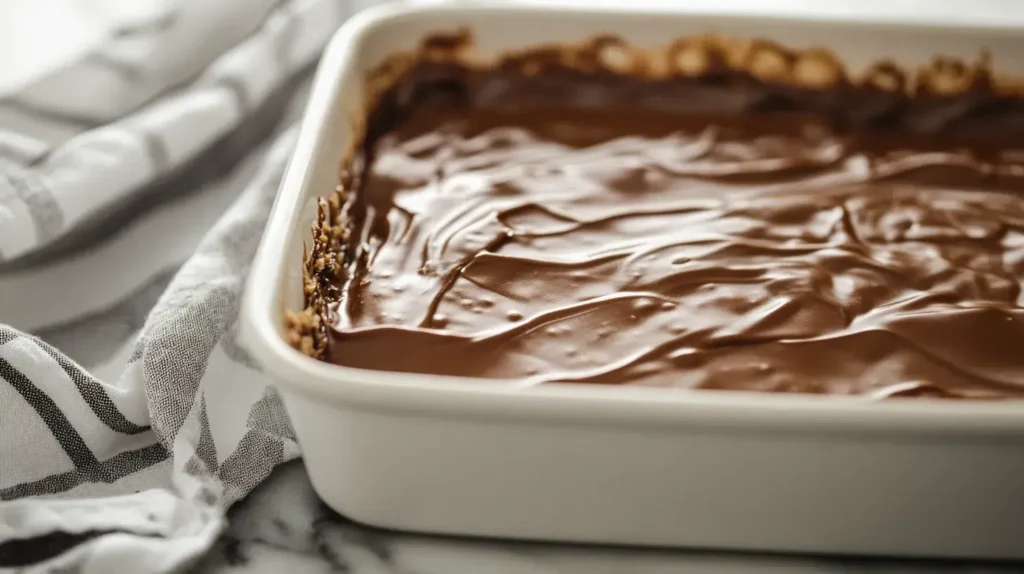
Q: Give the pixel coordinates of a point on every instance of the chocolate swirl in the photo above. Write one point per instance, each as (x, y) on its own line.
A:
(711, 232)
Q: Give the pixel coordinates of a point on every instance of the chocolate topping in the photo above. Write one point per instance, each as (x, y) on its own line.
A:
(563, 223)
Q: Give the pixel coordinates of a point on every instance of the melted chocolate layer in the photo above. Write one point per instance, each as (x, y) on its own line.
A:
(700, 234)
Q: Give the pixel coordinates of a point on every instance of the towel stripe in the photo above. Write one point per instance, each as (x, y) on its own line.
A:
(68, 438)
(89, 388)
(46, 212)
(93, 394)
(113, 469)
(29, 551)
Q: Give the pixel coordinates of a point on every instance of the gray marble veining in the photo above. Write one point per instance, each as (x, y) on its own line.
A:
(282, 528)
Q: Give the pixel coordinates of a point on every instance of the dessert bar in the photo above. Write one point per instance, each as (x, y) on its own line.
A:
(717, 215)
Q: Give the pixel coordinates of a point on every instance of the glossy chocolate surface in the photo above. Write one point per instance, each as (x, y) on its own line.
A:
(690, 233)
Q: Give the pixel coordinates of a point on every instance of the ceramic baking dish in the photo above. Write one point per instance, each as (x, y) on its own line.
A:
(628, 465)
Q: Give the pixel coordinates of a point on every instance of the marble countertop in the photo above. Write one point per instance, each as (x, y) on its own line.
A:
(283, 528)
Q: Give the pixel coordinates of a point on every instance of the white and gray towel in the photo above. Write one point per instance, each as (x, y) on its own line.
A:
(131, 419)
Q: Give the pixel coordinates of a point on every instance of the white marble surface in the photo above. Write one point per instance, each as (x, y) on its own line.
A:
(282, 528)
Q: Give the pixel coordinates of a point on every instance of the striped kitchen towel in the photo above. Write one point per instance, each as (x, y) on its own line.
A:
(135, 180)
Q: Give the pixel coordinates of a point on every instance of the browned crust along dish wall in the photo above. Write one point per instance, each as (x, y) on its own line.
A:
(703, 57)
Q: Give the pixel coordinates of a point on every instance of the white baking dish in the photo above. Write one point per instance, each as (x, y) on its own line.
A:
(628, 465)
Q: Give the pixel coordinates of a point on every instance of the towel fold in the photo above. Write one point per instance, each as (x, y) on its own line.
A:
(135, 181)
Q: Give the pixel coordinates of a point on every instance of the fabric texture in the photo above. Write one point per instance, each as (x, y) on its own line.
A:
(130, 417)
